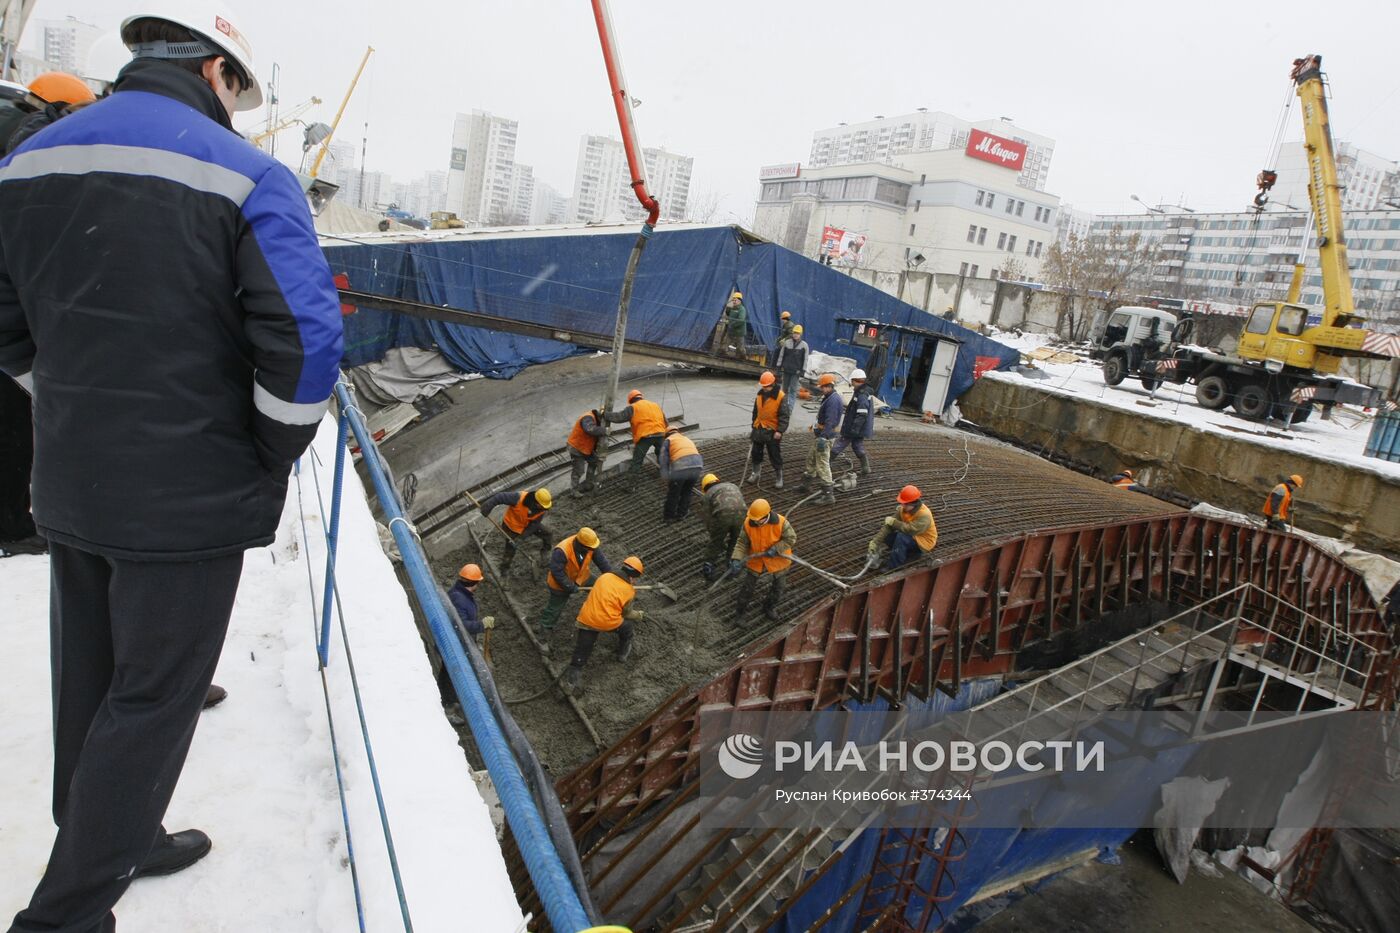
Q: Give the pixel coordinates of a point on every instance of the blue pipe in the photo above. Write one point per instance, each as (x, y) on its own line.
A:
(557, 894)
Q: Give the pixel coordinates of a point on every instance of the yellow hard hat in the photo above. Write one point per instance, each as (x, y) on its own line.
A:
(1297, 480)
(797, 329)
(737, 295)
(707, 480)
(587, 537)
(785, 315)
(544, 499)
(759, 509)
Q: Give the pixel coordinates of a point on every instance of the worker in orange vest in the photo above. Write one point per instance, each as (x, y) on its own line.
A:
(525, 509)
(1278, 508)
(584, 458)
(761, 551)
(770, 421)
(908, 534)
(1125, 480)
(648, 428)
(608, 608)
(681, 468)
(571, 563)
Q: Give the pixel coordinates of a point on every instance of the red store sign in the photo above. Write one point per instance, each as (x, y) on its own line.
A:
(997, 149)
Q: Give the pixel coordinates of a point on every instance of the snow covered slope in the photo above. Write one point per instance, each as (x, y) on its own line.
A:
(260, 777)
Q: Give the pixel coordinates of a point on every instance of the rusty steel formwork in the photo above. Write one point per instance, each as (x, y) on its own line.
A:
(928, 629)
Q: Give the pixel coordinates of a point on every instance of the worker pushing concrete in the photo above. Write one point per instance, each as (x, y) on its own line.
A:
(648, 428)
(858, 425)
(908, 534)
(722, 508)
(463, 599)
(736, 321)
(524, 514)
(762, 551)
(770, 421)
(585, 459)
(791, 361)
(681, 468)
(1278, 508)
(571, 563)
(824, 432)
(608, 608)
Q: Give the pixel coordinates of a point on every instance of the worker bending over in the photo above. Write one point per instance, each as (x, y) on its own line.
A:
(722, 508)
(463, 599)
(681, 468)
(858, 426)
(761, 550)
(1125, 480)
(608, 608)
(907, 534)
(570, 565)
(791, 360)
(524, 515)
(585, 460)
(770, 420)
(1278, 508)
(648, 428)
(824, 431)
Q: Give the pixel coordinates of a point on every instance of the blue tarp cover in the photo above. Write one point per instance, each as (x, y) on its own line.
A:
(572, 281)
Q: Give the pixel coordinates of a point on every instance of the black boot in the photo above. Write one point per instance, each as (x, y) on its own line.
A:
(828, 496)
(864, 464)
(173, 852)
(624, 648)
(778, 478)
(775, 594)
(573, 679)
(215, 696)
(806, 484)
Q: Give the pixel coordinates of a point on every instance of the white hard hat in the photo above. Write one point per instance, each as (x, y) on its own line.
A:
(214, 22)
(857, 374)
(108, 56)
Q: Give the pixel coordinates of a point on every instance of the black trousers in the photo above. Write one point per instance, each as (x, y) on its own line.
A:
(585, 638)
(16, 460)
(133, 647)
(679, 492)
(764, 441)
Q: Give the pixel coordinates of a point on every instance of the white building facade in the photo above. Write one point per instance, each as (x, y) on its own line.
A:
(67, 43)
(603, 182)
(1368, 181)
(549, 205)
(481, 170)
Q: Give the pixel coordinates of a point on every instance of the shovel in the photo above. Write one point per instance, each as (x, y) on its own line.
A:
(495, 524)
(663, 589)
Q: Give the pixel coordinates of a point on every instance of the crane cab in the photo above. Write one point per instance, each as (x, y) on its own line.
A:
(1278, 332)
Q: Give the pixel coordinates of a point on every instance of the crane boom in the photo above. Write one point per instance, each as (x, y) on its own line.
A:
(1324, 191)
(326, 143)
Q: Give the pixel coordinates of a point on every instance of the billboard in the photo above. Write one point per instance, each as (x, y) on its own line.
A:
(841, 245)
(786, 170)
(997, 150)
(459, 160)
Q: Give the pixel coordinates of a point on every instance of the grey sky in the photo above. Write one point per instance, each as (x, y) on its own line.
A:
(1159, 100)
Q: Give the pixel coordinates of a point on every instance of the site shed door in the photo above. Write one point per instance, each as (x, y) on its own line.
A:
(940, 376)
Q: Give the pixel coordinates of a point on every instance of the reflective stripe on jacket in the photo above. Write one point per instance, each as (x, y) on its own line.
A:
(518, 517)
(574, 569)
(758, 538)
(606, 603)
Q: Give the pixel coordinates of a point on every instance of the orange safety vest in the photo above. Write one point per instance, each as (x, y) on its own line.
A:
(647, 419)
(925, 539)
(602, 610)
(573, 569)
(518, 517)
(761, 538)
(682, 446)
(1283, 506)
(768, 410)
(1125, 482)
(581, 440)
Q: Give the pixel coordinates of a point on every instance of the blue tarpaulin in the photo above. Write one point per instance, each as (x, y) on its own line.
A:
(571, 279)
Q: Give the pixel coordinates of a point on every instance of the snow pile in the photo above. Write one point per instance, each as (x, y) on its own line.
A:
(260, 777)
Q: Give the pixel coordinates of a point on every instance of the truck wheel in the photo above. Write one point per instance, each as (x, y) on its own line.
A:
(1252, 401)
(1212, 392)
(1115, 368)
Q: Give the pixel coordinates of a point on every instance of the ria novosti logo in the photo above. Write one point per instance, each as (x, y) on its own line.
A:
(741, 755)
(996, 149)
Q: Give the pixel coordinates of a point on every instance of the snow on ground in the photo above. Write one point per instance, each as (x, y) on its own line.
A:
(260, 777)
(1343, 438)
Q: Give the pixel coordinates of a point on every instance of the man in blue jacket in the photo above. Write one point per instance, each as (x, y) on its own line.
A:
(163, 298)
(858, 425)
(463, 599)
(819, 457)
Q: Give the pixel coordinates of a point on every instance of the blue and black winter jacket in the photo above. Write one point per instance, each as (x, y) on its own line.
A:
(162, 292)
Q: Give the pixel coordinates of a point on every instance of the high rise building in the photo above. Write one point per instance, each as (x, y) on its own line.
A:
(425, 194)
(886, 139)
(1071, 222)
(338, 168)
(1368, 181)
(375, 191)
(480, 173)
(67, 42)
(522, 194)
(603, 182)
(549, 205)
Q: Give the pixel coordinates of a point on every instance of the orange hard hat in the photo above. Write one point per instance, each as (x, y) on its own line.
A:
(759, 510)
(785, 315)
(633, 396)
(471, 573)
(910, 494)
(634, 563)
(767, 379)
(826, 379)
(54, 87)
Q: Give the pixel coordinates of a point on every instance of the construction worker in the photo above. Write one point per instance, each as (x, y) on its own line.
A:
(524, 515)
(824, 432)
(570, 565)
(791, 361)
(608, 608)
(681, 468)
(907, 534)
(1278, 508)
(770, 420)
(200, 370)
(722, 508)
(734, 332)
(648, 428)
(858, 425)
(54, 95)
(1124, 479)
(785, 326)
(463, 599)
(584, 458)
(761, 551)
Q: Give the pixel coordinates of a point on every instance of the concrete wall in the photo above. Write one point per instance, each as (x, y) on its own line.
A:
(1339, 501)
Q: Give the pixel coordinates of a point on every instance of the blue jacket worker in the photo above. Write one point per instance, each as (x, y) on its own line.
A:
(858, 426)
(463, 599)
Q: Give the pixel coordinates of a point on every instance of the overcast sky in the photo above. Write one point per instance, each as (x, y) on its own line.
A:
(1166, 101)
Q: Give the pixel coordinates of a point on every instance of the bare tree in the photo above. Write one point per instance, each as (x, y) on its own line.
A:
(704, 207)
(1096, 273)
(1012, 270)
